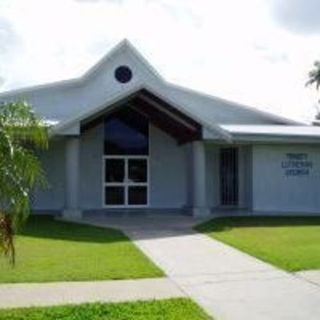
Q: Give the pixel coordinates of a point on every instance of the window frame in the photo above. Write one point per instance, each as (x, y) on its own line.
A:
(126, 183)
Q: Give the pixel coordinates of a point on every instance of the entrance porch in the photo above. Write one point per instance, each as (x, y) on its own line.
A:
(143, 155)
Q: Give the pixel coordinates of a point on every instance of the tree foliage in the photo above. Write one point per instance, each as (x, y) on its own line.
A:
(314, 75)
(314, 79)
(22, 134)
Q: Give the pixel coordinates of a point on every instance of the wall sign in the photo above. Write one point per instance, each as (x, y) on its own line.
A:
(296, 164)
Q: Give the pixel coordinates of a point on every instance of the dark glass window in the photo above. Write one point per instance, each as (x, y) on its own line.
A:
(114, 170)
(137, 195)
(123, 74)
(137, 170)
(126, 133)
(114, 195)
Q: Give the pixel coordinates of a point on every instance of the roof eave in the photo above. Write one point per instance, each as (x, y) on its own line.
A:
(274, 138)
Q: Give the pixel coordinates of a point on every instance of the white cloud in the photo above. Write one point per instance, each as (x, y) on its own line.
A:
(231, 49)
(298, 15)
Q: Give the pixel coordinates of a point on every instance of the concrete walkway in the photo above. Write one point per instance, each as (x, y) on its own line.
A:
(313, 276)
(48, 294)
(227, 283)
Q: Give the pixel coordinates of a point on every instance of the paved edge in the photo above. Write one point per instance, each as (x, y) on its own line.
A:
(60, 293)
(312, 276)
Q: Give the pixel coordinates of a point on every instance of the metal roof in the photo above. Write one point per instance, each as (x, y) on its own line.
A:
(65, 104)
(307, 131)
(274, 133)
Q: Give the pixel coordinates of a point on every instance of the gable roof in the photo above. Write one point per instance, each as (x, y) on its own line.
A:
(121, 47)
(67, 102)
(214, 128)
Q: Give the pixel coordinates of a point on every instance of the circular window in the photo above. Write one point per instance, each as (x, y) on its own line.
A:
(123, 74)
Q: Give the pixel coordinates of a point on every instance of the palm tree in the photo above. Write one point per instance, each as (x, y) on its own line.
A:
(22, 134)
(314, 79)
(314, 75)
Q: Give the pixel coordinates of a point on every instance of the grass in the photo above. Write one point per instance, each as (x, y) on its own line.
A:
(171, 309)
(49, 250)
(291, 243)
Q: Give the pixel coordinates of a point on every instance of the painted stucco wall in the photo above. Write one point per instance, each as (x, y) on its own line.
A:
(91, 152)
(170, 174)
(212, 175)
(245, 176)
(275, 189)
(168, 171)
(189, 175)
(53, 161)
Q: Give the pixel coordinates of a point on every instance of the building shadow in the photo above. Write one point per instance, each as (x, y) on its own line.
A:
(46, 227)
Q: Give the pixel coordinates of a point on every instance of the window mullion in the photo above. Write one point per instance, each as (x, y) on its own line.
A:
(126, 179)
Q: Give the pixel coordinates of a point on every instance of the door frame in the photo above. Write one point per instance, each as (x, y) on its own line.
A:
(126, 183)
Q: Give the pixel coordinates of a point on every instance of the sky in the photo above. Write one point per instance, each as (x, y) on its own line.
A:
(255, 52)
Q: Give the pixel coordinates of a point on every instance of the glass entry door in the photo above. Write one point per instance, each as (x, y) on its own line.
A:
(125, 181)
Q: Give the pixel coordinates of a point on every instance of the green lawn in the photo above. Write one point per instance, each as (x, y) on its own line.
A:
(49, 250)
(290, 243)
(171, 309)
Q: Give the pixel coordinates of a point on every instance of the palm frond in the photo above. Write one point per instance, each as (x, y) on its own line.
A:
(314, 75)
(22, 133)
